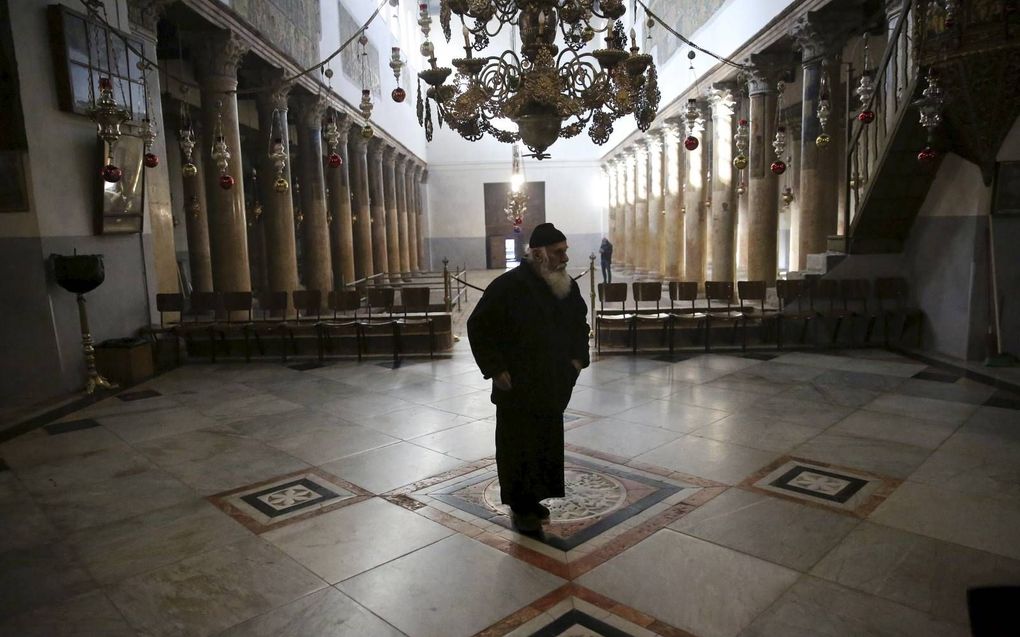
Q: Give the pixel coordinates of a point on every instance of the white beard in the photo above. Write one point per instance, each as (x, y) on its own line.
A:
(559, 281)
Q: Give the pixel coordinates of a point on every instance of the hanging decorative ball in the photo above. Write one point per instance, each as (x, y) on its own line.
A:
(740, 162)
(189, 169)
(822, 140)
(151, 160)
(111, 173)
(335, 160)
(281, 185)
(927, 156)
(741, 189)
(367, 132)
(517, 229)
(398, 94)
(226, 182)
(778, 167)
(691, 143)
(866, 117)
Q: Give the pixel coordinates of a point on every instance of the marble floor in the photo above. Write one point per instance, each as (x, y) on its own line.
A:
(838, 493)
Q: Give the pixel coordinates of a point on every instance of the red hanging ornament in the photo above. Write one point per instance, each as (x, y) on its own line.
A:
(778, 167)
(927, 156)
(226, 182)
(866, 117)
(398, 95)
(151, 160)
(335, 160)
(691, 143)
(111, 173)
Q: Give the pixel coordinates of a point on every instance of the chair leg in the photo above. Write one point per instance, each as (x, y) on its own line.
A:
(779, 332)
(743, 345)
(869, 329)
(708, 335)
(432, 341)
(835, 330)
(397, 345)
(247, 350)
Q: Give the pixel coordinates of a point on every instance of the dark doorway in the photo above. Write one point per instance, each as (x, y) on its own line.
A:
(498, 229)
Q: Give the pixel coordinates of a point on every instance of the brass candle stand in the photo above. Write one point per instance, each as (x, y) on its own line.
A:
(95, 379)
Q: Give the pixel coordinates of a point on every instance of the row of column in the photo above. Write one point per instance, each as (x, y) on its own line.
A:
(674, 211)
(361, 218)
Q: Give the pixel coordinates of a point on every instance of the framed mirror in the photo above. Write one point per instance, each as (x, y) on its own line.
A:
(121, 203)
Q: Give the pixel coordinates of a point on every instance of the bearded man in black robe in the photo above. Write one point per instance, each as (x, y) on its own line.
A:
(529, 334)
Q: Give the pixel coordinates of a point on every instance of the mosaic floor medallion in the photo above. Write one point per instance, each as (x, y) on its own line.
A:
(286, 499)
(599, 496)
(832, 487)
(575, 623)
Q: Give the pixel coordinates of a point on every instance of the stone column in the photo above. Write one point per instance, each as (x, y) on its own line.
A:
(342, 231)
(392, 225)
(217, 59)
(380, 253)
(318, 267)
(654, 260)
(420, 177)
(724, 209)
(411, 195)
(762, 185)
(641, 239)
(400, 181)
(361, 211)
(277, 207)
(695, 227)
(673, 226)
(632, 253)
(819, 191)
(195, 218)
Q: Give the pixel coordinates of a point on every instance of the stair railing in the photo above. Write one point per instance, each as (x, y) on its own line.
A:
(894, 83)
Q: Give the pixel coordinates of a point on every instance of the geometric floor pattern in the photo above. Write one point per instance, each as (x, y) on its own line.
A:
(722, 495)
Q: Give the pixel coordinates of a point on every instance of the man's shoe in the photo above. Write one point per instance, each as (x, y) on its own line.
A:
(525, 522)
(541, 511)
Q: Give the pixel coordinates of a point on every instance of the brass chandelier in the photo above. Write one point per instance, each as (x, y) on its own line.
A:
(548, 93)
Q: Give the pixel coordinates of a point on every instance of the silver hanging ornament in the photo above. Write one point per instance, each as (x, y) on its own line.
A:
(396, 64)
(823, 110)
(694, 119)
(866, 90)
(108, 116)
(186, 140)
(221, 152)
(930, 107)
(278, 153)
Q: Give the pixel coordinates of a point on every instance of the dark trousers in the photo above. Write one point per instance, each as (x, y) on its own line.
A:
(529, 456)
(607, 272)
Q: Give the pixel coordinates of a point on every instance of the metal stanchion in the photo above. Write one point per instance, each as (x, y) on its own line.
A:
(591, 285)
(446, 285)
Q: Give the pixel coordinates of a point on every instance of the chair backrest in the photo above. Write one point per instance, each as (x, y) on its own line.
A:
(203, 303)
(752, 291)
(169, 302)
(788, 291)
(308, 303)
(237, 302)
(647, 292)
(827, 290)
(683, 291)
(612, 293)
(855, 291)
(719, 291)
(415, 299)
(273, 302)
(343, 301)
(891, 289)
(380, 298)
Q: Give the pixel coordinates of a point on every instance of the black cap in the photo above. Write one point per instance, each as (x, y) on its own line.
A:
(545, 234)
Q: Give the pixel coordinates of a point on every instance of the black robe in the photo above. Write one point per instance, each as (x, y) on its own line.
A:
(519, 326)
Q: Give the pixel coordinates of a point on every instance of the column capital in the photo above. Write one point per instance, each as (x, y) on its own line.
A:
(721, 100)
(275, 97)
(146, 13)
(310, 110)
(343, 127)
(389, 156)
(356, 140)
(375, 149)
(218, 53)
(766, 71)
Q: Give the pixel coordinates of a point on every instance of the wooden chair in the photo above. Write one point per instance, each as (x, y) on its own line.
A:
(724, 312)
(166, 303)
(891, 294)
(855, 293)
(237, 303)
(415, 300)
(380, 315)
(789, 292)
(345, 305)
(273, 320)
(647, 292)
(752, 299)
(203, 310)
(308, 309)
(827, 301)
(612, 293)
(685, 292)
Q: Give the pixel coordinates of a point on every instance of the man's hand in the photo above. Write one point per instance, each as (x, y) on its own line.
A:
(502, 381)
(577, 364)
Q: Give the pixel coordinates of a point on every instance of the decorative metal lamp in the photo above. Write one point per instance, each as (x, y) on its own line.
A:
(546, 92)
(80, 274)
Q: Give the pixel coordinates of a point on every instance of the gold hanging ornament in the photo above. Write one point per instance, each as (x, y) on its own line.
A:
(220, 151)
(299, 216)
(740, 140)
(256, 206)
